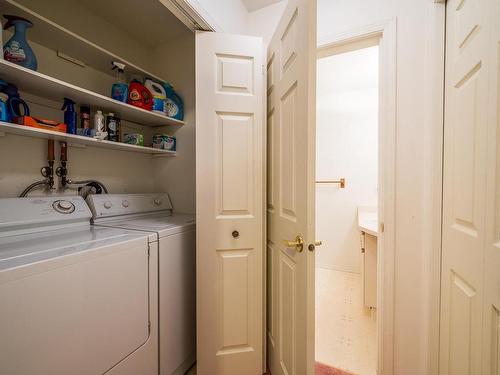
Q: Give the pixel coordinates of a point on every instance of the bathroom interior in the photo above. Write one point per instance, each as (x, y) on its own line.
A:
(346, 208)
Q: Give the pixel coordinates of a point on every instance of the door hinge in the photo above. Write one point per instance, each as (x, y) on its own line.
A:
(382, 227)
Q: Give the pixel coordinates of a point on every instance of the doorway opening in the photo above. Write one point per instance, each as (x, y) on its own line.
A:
(347, 197)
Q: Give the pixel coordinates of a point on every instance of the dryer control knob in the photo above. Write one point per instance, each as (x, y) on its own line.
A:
(125, 204)
(64, 207)
(108, 205)
(157, 201)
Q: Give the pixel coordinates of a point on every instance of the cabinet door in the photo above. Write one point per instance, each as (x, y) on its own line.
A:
(229, 203)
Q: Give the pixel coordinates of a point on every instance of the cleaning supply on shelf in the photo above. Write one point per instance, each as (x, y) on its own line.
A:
(99, 130)
(85, 127)
(4, 116)
(159, 95)
(17, 50)
(69, 115)
(134, 139)
(113, 127)
(14, 101)
(174, 106)
(41, 123)
(164, 142)
(139, 95)
(119, 90)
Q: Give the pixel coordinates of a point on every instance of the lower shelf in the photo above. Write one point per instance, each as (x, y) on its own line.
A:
(77, 140)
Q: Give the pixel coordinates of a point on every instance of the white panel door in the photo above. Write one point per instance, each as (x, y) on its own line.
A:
(291, 91)
(229, 203)
(470, 283)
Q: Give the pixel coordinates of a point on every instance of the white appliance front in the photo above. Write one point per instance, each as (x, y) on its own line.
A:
(74, 299)
(176, 236)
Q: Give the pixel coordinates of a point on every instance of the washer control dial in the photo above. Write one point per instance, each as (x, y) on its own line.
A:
(108, 205)
(125, 203)
(63, 206)
(157, 201)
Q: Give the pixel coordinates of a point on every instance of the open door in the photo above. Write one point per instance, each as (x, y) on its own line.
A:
(291, 92)
(229, 203)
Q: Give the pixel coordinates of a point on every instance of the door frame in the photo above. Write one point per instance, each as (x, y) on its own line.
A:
(385, 33)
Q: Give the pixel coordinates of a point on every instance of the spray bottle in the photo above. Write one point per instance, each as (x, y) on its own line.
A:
(17, 49)
(119, 90)
(69, 115)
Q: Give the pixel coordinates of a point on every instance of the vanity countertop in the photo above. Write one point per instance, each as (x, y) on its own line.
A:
(368, 220)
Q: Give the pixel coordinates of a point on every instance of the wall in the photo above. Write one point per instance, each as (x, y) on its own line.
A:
(263, 22)
(346, 146)
(419, 129)
(227, 16)
(178, 175)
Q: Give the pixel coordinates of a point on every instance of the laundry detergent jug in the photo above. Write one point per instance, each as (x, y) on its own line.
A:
(139, 96)
(159, 95)
(17, 50)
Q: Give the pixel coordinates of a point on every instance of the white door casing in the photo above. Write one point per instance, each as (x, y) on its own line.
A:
(470, 283)
(229, 203)
(291, 92)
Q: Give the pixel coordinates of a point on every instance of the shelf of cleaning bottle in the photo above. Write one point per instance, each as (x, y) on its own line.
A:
(40, 84)
(77, 140)
(60, 39)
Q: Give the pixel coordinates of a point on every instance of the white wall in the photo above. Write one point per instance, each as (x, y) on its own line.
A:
(419, 127)
(227, 16)
(346, 146)
(263, 22)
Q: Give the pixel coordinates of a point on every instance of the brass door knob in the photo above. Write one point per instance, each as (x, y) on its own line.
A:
(298, 243)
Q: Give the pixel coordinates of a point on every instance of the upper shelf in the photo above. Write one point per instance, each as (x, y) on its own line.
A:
(52, 88)
(59, 38)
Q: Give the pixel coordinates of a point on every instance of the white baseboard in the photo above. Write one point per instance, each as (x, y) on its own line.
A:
(335, 267)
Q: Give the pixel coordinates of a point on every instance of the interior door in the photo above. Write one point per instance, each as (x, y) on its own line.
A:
(229, 203)
(470, 285)
(291, 92)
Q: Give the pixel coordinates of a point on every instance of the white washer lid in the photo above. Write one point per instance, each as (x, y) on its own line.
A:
(161, 223)
(24, 249)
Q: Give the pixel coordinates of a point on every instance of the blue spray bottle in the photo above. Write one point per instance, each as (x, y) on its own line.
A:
(17, 49)
(69, 115)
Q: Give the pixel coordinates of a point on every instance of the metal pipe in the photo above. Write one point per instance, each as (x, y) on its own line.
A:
(32, 186)
(83, 182)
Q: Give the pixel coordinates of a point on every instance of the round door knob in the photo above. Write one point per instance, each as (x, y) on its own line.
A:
(235, 234)
(107, 205)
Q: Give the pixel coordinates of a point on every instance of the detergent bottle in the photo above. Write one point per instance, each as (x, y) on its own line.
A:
(119, 90)
(69, 115)
(13, 102)
(159, 95)
(17, 50)
(139, 95)
(173, 105)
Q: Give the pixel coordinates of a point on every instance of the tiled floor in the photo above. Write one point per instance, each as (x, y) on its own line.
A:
(345, 330)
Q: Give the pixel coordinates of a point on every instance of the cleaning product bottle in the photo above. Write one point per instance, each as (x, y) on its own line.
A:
(14, 101)
(119, 90)
(139, 95)
(17, 49)
(85, 128)
(173, 105)
(69, 115)
(99, 126)
(113, 127)
(4, 114)
(159, 95)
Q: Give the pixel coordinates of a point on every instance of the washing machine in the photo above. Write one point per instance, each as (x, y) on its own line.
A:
(175, 235)
(74, 298)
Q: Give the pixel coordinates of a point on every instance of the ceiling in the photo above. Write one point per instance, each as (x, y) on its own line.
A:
(253, 5)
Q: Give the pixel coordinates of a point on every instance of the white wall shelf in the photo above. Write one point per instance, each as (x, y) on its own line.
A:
(59, 38)
(77, 140)
(52, 88)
